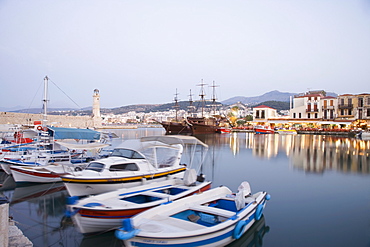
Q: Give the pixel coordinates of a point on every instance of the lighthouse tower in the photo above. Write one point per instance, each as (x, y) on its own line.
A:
(96, 109)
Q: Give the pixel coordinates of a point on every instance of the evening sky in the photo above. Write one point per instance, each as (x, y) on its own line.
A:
(141, 51)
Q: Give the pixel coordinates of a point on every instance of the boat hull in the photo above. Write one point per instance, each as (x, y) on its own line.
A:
(201, 220)
(39, 174)
(173, 128)
(287, 132)
(219, 238)
(198, 129)
(92, 220)
(95, 185)
(264, 131)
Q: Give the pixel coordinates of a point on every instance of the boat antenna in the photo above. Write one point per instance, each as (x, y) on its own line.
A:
(45, 100)
(202, 95)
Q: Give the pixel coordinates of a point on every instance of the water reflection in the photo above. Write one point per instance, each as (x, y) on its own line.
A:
(254, 236)
(311, 153)
(39, 211)
(40, 208)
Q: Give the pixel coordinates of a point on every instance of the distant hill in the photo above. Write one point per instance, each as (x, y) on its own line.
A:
(278, 105)
(270, 96)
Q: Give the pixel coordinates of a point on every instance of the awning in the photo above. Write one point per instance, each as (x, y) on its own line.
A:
(88, 146)
(72, 133)
(175, 139)
(333, 122)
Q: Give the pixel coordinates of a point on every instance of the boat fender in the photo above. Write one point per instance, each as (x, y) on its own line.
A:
(72, 200)
(126, 231)
(258, 213)
(70, 213)
(239, 229)
(268, 197)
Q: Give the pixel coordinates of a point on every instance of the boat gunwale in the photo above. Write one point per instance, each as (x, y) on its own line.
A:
(246, 216)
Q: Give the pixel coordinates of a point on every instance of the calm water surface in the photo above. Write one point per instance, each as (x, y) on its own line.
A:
(319, 186)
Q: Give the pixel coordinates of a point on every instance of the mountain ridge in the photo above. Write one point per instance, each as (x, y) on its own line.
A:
(274, 95)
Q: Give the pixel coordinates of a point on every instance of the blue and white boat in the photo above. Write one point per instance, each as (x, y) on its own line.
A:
(216, 217)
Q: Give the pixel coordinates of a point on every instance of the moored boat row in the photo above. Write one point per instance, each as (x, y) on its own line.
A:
(146, 174)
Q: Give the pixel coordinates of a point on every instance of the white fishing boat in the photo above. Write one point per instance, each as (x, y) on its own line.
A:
(134, 162)
(106, 211)
(213, 218)
(363, 135)
(286, 131)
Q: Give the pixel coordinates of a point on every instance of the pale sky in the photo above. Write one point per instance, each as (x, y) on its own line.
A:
(141, 51)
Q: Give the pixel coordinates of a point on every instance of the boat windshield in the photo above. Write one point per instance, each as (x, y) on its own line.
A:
(126, 153)
(95, 166)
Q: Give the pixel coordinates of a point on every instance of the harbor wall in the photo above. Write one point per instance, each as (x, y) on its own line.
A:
(52, 120)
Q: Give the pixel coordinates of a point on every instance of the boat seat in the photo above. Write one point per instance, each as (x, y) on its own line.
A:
(175, 224)
(214, 211)
(155, 194)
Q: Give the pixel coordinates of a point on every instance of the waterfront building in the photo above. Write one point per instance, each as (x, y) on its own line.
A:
(308, 106)
(355, 108)
(262, 113)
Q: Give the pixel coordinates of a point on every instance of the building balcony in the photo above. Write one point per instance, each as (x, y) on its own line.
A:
(328, 118)
(312, 110)
(345, 106)
(328, 107)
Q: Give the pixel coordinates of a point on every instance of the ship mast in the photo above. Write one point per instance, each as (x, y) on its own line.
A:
(190, 107)
(202, 96)
(214, 97)
(176, 106)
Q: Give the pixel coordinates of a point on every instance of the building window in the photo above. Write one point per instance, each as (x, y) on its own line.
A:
(342, 112)
(315, 107)
(368, 112)
(349, 112)
(309, 115)
(300, 115)
(294, 114)
(257, 114)
(360, 102)
(316, 115)
(263, 114)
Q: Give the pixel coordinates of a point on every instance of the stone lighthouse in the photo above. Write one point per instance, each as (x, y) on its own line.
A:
(96, 109)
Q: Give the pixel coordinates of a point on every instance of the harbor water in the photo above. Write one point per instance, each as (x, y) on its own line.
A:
(319, 187)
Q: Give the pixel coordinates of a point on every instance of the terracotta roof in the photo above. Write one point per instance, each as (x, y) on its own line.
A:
(264, 106)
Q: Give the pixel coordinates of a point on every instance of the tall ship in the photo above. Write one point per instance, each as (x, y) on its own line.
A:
(176, 126)
(193, 124)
